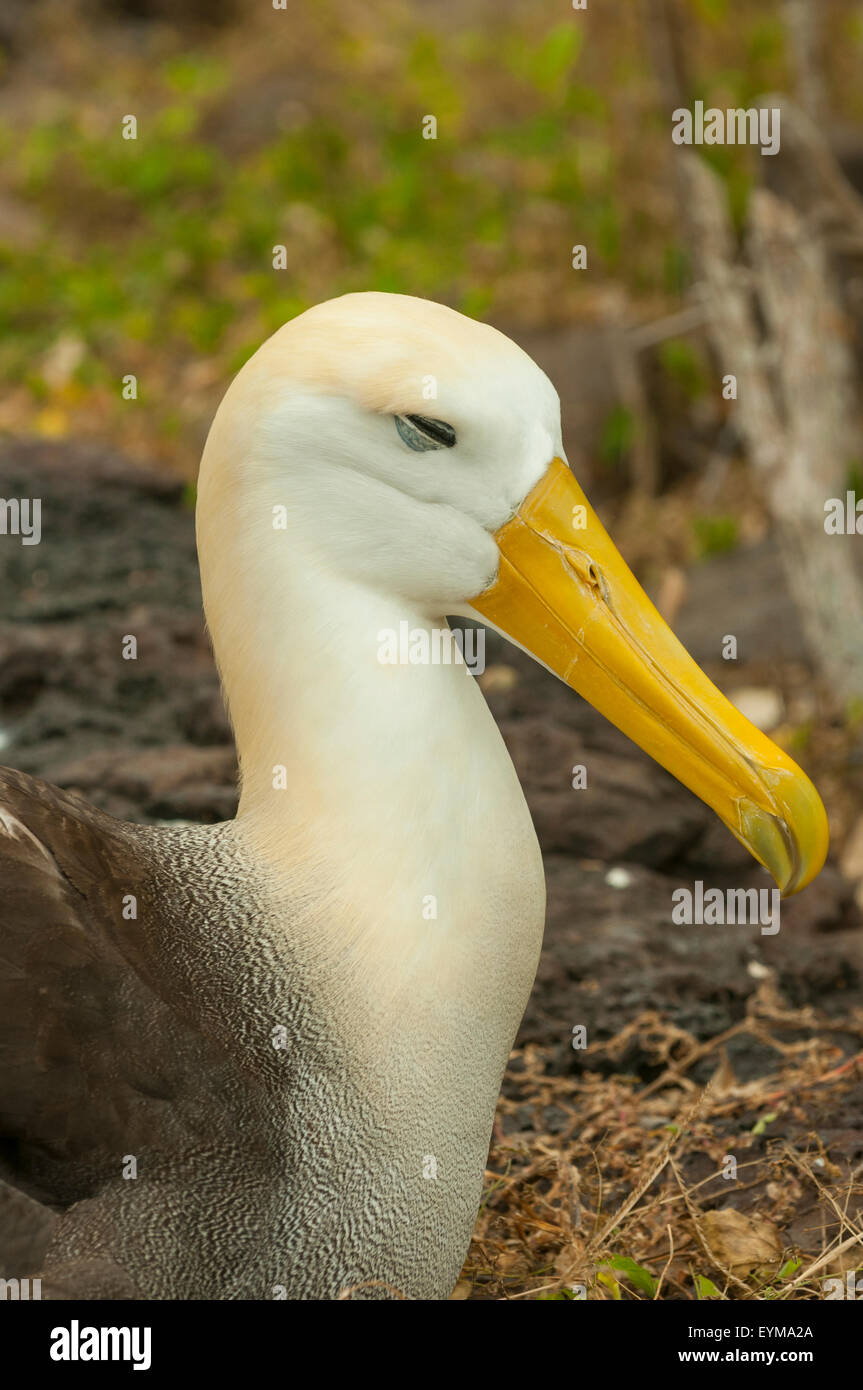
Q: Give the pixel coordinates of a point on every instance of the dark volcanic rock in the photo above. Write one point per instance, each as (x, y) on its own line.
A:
(116, 559)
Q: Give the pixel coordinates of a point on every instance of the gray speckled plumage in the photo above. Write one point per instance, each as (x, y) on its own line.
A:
(259, 1168)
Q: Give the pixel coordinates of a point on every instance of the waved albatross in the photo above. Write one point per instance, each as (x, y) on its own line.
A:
(299, 1057)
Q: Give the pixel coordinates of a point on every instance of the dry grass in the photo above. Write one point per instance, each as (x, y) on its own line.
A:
(601, 1186)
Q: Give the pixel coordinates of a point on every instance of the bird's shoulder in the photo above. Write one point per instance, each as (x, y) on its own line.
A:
(92, 1056)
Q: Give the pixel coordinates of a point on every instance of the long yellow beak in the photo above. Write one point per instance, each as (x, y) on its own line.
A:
(564, 594)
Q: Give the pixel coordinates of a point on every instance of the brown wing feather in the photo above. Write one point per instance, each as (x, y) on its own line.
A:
(91, 1059)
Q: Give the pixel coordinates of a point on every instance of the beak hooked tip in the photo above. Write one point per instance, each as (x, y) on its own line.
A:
(790, 842)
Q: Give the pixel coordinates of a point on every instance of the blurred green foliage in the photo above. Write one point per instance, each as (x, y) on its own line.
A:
(714, 535)
(618, 436)
(156, 253)
(683, 363)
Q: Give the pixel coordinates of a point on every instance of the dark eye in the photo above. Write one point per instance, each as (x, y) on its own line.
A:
(421, 433)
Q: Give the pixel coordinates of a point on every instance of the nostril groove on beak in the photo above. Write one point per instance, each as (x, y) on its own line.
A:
(589, 573)
(597, 581)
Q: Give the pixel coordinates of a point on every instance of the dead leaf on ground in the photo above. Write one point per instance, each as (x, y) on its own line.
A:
(741, 1243)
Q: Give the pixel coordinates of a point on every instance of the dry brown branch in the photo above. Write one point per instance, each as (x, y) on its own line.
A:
(797, 406)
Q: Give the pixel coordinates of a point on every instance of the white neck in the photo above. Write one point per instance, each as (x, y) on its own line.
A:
(398, 797)
(380, 796)
(396, 766)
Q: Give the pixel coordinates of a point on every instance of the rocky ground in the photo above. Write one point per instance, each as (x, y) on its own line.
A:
(773, 1022)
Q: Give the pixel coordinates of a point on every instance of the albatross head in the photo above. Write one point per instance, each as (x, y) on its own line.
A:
(416, 454)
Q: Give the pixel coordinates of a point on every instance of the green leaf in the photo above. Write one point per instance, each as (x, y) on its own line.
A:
(555, 56)
(760, 1125)
(610, 1283)
(705, 1288)
(639, 1277)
